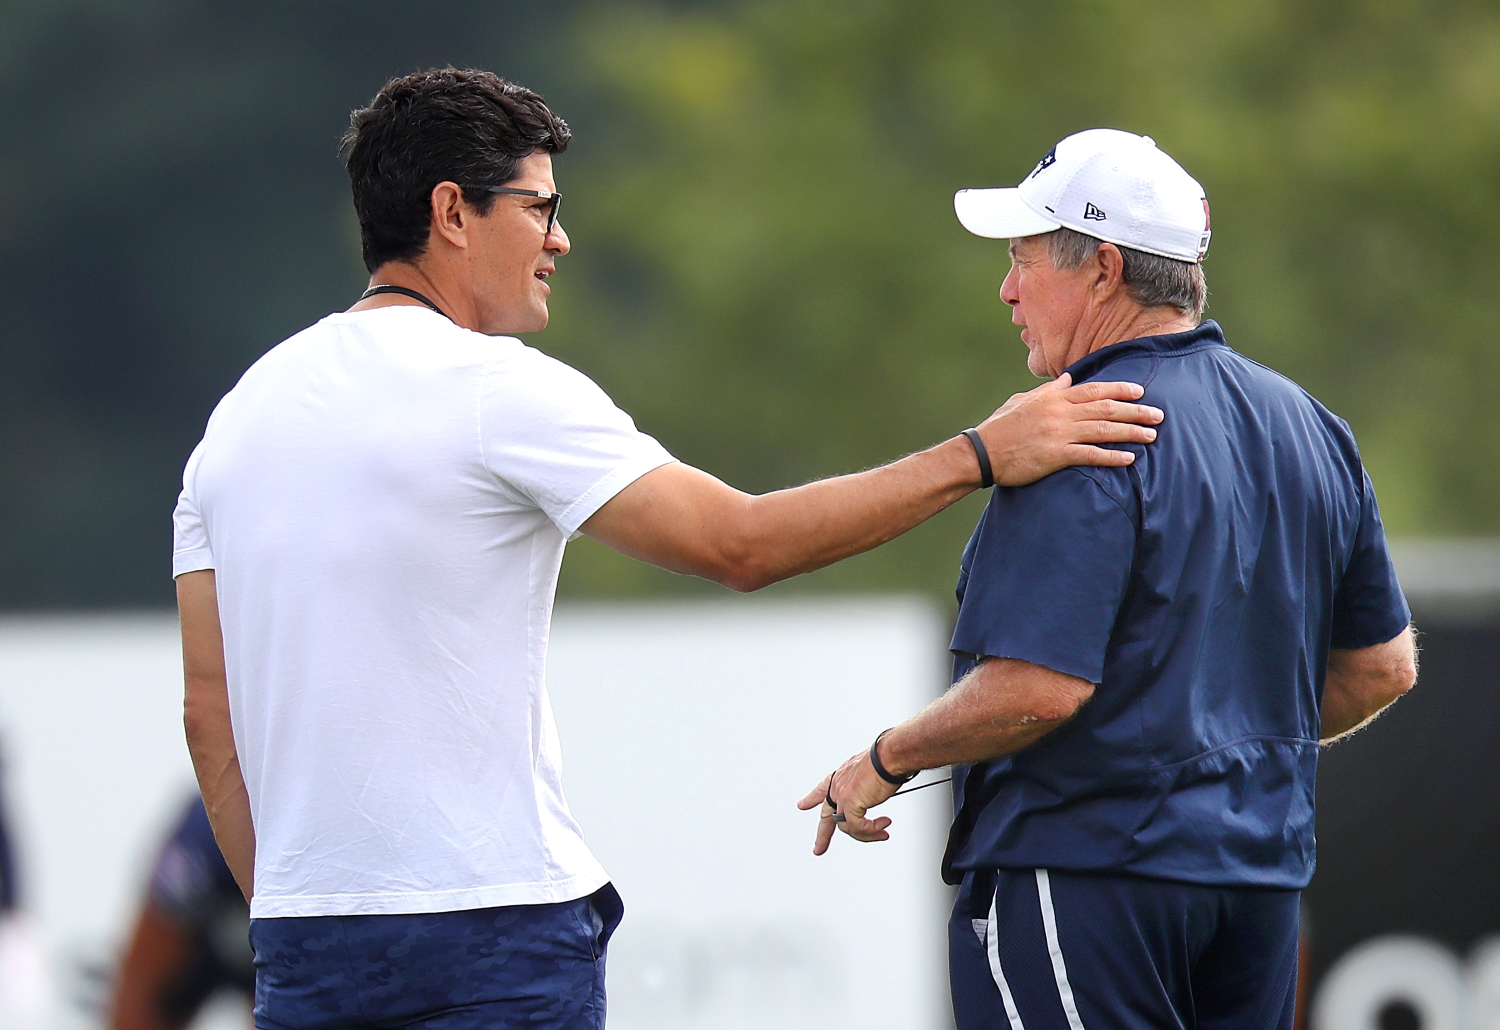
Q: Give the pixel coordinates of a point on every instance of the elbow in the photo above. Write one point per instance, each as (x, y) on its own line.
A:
(749, 553)
(1377, 691)
(742, 565)
(205, 711)
(745, 580)
(1397, 677)
(196, 723)
(1403, 678)
(1060, 704)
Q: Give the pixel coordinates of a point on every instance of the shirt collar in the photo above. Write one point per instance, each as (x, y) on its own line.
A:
(1206, 335)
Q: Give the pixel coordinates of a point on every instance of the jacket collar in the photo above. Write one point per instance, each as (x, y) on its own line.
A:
(1208, 334)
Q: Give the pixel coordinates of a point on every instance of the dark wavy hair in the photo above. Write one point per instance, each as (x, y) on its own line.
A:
(446, 124)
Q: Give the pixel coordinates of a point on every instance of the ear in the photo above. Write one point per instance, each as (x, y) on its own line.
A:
(1110, 272)
(450, 214)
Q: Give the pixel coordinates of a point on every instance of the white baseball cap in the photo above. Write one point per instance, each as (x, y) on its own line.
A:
(1112, 185)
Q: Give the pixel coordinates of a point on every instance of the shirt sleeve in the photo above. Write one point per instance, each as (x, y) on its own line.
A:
(554, 436)
(190, 548)
(1369, 607)
(1047, 573)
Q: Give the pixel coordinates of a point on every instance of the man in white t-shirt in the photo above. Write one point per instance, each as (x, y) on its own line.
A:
(366, 549)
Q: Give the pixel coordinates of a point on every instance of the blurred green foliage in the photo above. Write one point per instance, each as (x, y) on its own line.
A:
(769, 275)
(766, 269)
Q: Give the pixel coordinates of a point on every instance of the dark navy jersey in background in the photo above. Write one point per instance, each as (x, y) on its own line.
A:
(191, 886)
(1201, 589)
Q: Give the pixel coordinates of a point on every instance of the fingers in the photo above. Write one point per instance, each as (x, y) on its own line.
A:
(1103, 457)
(1109, 432)
(813, 798)
(854, 794)
(826, 826)
(1085, 392)
(867, 830)
(1117, 411)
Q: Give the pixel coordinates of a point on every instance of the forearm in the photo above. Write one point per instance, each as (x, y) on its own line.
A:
(1362, 683)
(205, 718)
(1001, 707)
(790, 532)
(1342, 713)
(685, 520)
(220, 781)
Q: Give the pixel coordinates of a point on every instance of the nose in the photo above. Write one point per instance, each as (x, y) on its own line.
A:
(1010, 289)
(557, 240)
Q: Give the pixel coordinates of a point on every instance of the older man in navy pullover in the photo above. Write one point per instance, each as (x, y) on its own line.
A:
(1147, 658)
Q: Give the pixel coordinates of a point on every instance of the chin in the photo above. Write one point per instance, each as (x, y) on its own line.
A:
(531, 322)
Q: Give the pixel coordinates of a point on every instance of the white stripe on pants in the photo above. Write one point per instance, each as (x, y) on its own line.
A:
(1054, 952)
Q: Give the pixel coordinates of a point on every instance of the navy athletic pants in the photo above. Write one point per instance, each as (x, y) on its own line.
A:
(1031, 949)
(535, 966)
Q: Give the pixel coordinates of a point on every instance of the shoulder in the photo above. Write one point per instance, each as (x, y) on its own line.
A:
(1294, 395)
(522, 375)
(1067, 494)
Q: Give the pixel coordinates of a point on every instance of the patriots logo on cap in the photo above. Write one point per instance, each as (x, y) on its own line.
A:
(1046, 162)
(1090, 211)
(1208, 232)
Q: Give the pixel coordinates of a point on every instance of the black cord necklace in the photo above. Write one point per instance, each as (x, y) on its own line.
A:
(374, 291)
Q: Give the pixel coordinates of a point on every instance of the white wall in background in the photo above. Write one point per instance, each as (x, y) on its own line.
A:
(96, 770)
(688, 733)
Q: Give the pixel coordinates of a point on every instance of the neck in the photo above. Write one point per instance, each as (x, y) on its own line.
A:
(439, 289)
(1131, 322)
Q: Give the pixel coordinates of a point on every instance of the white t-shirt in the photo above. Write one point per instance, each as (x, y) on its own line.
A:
(385, 498)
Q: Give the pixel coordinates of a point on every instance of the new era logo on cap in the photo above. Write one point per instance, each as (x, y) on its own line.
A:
(1113, 185)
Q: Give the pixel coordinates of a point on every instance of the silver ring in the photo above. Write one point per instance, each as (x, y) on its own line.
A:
(840, 817)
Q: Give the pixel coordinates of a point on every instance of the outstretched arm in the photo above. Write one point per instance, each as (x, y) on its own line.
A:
(1000, 707)
(1363, 682)
(688, 521)
(205, 716)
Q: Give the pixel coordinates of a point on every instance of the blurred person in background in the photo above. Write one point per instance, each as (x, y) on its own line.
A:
(24, 980)
(366, 549)
(1146, 658)
(190, 940)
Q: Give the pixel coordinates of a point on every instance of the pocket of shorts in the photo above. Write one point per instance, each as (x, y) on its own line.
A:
(586, 921)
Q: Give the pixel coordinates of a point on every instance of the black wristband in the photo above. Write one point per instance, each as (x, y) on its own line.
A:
(880, 770)
(986, 473)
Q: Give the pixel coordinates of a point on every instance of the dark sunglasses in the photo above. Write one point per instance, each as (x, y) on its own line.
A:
(555, 198)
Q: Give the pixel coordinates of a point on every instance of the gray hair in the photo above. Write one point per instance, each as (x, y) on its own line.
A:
(1151, 281)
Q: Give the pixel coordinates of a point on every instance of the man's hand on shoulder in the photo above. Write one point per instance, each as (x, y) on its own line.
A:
(1056, 425)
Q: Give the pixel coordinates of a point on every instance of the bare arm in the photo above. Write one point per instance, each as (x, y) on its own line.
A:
(1363, 682)
(205, 716)
(156, 961)
(1000, 707)
(688, 521)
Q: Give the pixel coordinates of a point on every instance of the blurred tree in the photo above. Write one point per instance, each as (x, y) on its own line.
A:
(171, 206)
(769, 275)
(767, 272)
